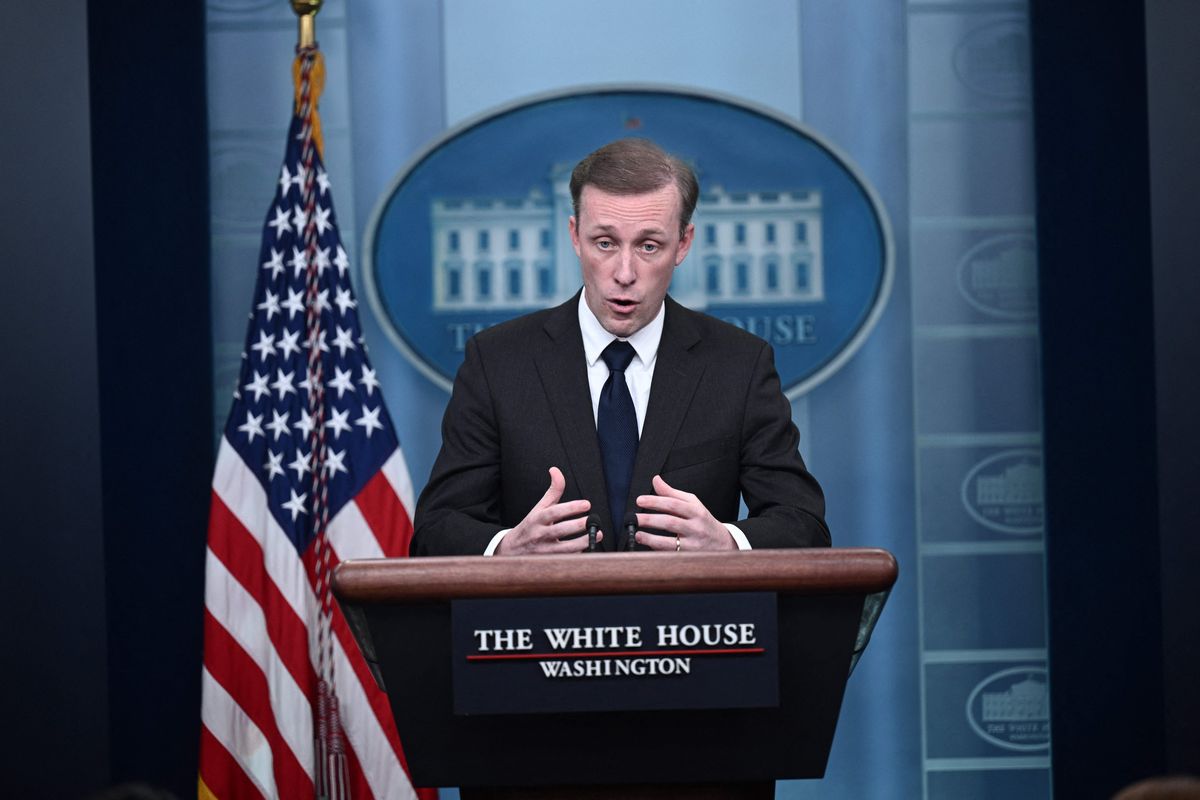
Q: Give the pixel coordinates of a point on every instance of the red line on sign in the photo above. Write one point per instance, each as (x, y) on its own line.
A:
(611, 653)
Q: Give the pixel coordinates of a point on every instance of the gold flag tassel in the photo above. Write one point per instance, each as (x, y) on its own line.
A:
(330, 770)
(315, 85)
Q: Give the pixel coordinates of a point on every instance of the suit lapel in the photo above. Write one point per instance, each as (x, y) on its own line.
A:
(677, 373)
(562, 369)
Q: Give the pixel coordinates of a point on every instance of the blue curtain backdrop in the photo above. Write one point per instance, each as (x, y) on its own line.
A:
(928, 441)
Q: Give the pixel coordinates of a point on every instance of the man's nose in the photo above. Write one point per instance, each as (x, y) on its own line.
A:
(625, 273)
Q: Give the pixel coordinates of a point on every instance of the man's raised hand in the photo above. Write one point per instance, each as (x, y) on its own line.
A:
(682, 514)
(548, 522)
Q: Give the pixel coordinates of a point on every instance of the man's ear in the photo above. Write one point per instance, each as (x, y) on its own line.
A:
(685, 243)
(573, 227)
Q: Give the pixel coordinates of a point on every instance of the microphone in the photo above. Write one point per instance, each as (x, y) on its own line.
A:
(630, 529)
(593, 525)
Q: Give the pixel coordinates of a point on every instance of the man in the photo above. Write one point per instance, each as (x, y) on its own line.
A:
(552, 416)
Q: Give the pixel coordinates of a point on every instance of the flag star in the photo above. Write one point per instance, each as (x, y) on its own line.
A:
(322, 180)
(296, 504)
(258, 385)
(344, 340)
(285, 179)
(252, 426)
(370, 420)
(341, 381)
(323, 301)
(289, 343)
(338, 422)
(270, 305)
(301, 463)
(299, 261)
(322, 260)
(334, 462)
(307, 383)
(265, 346)
(341, 261)
(305, 425)
(344, 301)
(294, 303)
(274, 465)
(322, 220)
(319, 337)
(299, 220)
(278, 424)
(369, 380)
(280, 223)
(283, 383)
(300, 177)
(275, 264)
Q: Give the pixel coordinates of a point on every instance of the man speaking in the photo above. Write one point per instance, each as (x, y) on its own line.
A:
(619, 402)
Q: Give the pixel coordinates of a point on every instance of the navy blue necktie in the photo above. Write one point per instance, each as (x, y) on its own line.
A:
(616, 427)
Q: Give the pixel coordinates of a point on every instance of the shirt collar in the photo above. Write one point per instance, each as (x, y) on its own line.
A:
(596, 338)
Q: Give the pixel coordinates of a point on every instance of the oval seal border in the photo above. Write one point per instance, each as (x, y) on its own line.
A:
(964, 264)
(1026, 452)
(887, 245)
(983, 684)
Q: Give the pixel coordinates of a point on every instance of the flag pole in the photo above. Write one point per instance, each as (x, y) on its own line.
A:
(307, 10)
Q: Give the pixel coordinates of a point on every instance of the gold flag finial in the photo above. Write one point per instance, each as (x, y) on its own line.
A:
(307, 10)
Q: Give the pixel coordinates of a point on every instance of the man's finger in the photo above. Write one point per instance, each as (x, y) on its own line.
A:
(561, 511)
(667, 505)
(567, 527)
(573, 545)
(666, 489)
(557, 485)
(662, 522)
(654, 541)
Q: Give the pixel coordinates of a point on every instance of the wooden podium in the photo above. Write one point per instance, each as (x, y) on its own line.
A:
(827, 603)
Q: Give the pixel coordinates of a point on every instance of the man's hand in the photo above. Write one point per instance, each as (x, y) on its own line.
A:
(548, 522)
(682, 514)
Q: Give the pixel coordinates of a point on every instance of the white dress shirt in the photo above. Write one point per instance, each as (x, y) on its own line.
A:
(640, 372)
(638, 377)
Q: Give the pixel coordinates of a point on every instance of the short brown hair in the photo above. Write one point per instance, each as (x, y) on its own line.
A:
(636, 166)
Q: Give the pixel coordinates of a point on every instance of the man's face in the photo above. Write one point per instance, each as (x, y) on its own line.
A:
(628, 248)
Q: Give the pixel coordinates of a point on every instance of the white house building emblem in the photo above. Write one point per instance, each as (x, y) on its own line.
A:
(790, 243)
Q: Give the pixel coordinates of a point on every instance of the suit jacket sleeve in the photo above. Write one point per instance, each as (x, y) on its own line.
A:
(458, 512)
(785, 503)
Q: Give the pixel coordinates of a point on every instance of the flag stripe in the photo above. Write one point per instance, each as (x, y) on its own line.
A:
(237, 672)
(384, 511)
(239, 489)
(359, 787)
(221, 775)
(240, 617)
(350, 536)
(372, 727)
(395, 469)
(238, 735)
(372, 734)
(239, 551)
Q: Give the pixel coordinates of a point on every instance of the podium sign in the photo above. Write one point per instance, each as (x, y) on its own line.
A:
(624, 653)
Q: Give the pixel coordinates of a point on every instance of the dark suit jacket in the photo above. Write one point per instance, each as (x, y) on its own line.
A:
(717, 425)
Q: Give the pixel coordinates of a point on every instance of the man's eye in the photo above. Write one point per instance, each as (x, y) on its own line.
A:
(650, 247)
(604, 244)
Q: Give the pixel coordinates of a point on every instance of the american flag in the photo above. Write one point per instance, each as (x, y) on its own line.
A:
(309, 473)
